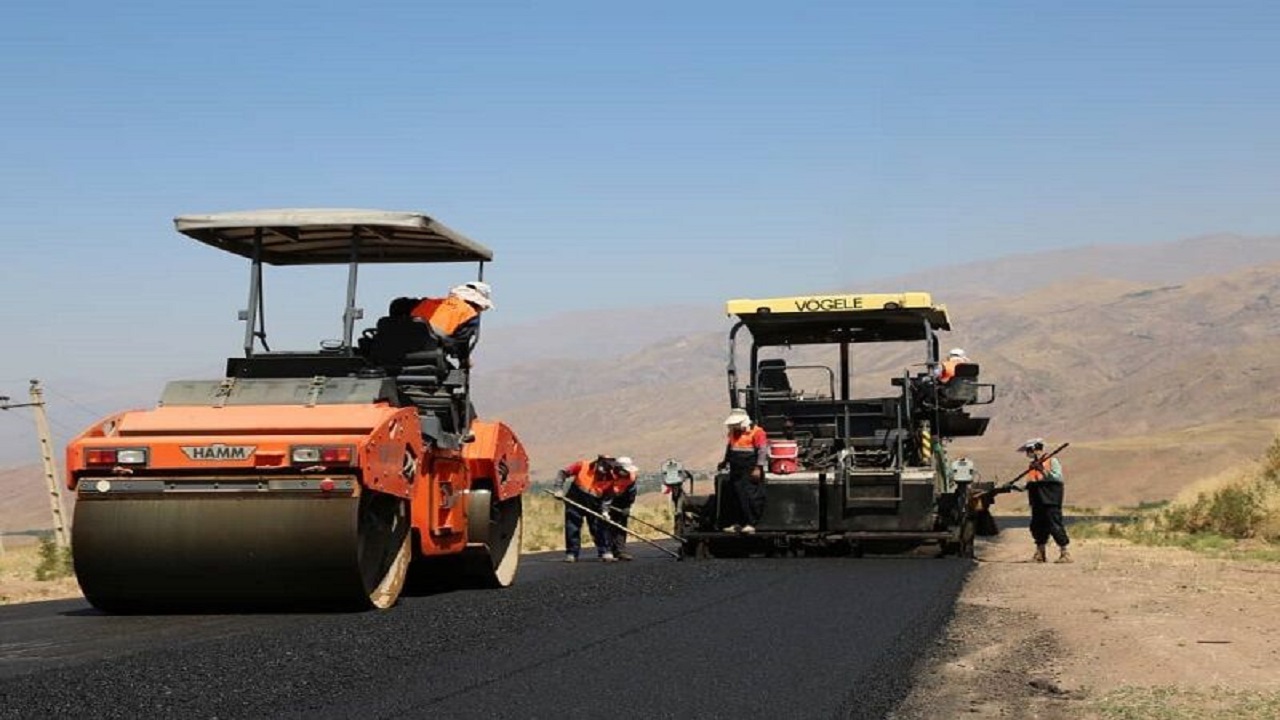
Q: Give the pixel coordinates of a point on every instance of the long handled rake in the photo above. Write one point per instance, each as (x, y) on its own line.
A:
(606, 519)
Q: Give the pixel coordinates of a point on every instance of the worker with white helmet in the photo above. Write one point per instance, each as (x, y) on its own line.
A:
(617, 507)
(746, 455)
(947, 368)
(1045, 493)
(594, 484)
(455, 319)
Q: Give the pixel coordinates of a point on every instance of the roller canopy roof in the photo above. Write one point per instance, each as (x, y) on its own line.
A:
(821, 319)
(324, 236)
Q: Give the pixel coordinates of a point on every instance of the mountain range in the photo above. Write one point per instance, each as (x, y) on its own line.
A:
(1158, 362)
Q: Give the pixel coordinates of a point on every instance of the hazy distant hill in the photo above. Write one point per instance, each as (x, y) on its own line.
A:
(1161, 361)
(1086, 360)
(597, 333)
(24, 500)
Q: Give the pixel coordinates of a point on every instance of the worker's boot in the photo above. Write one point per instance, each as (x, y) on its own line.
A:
(1064, 555)
(1039, 556)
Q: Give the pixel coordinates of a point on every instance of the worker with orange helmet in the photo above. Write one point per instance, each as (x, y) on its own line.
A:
(593, 483)
(746, 455)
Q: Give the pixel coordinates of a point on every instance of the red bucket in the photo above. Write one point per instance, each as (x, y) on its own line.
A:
(782, 456)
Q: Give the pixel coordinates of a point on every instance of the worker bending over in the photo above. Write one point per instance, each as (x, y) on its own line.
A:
(456, 318)
(618, 509)
(593, 483)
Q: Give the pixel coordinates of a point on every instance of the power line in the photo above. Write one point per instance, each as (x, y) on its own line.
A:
(91, 412)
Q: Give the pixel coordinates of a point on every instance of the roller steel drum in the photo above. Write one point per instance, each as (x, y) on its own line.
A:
(167, 551)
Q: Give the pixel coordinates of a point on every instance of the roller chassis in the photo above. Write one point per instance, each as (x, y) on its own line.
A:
(303, 479)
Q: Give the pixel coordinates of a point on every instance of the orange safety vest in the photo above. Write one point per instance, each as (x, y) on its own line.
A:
(445, 315)
(587, 481)
(750, 440)
(622, 484)
(949, 368)
(1034, 475)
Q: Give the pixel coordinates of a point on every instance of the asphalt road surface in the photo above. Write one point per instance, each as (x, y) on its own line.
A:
(655, 638)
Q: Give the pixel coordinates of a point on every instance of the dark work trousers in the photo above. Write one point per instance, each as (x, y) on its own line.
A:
(1046, 513)
(742, 499)
(620, 512)
(573, 518)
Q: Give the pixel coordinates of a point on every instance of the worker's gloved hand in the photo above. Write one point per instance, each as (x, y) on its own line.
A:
(561, 477)
(1037, 466)
(757, 474)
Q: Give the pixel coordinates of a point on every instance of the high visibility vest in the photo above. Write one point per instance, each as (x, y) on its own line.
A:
(1034, 475)
(749, 441)
(445, 315)
(622, 484)
(588, 482)
(949, 368)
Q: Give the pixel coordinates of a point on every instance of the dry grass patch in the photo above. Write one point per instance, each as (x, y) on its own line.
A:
(1235, 513)
(544, 520)
(1172, 703)
(18, 577)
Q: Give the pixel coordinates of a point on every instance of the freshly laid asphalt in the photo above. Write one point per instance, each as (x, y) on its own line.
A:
(654, 638)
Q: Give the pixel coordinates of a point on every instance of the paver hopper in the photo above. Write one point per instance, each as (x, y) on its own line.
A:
(848, 472)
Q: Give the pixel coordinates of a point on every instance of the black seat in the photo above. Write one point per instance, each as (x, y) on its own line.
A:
(772, 380)
(962, 389)
(403, 345)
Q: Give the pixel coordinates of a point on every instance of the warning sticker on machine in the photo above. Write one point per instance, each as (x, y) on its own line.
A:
(219, 452)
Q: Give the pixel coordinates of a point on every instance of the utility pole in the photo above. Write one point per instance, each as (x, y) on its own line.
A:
(46, 457)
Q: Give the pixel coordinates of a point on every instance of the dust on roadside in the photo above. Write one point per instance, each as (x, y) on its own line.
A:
(1126, 631)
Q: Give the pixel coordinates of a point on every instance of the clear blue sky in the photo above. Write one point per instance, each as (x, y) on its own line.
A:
(611, 153)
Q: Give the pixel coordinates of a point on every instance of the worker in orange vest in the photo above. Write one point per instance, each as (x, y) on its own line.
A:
(593, 482)
(455, 319)
(746, 455)
(1044, 488)
(947, 368)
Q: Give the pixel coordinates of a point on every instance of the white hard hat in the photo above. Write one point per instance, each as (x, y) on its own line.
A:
(476, 292)
(1032, 444)
(737, 417)
(956, 352)
(625, 462)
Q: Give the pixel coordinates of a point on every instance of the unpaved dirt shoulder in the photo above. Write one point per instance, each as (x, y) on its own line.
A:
(1125, 631)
